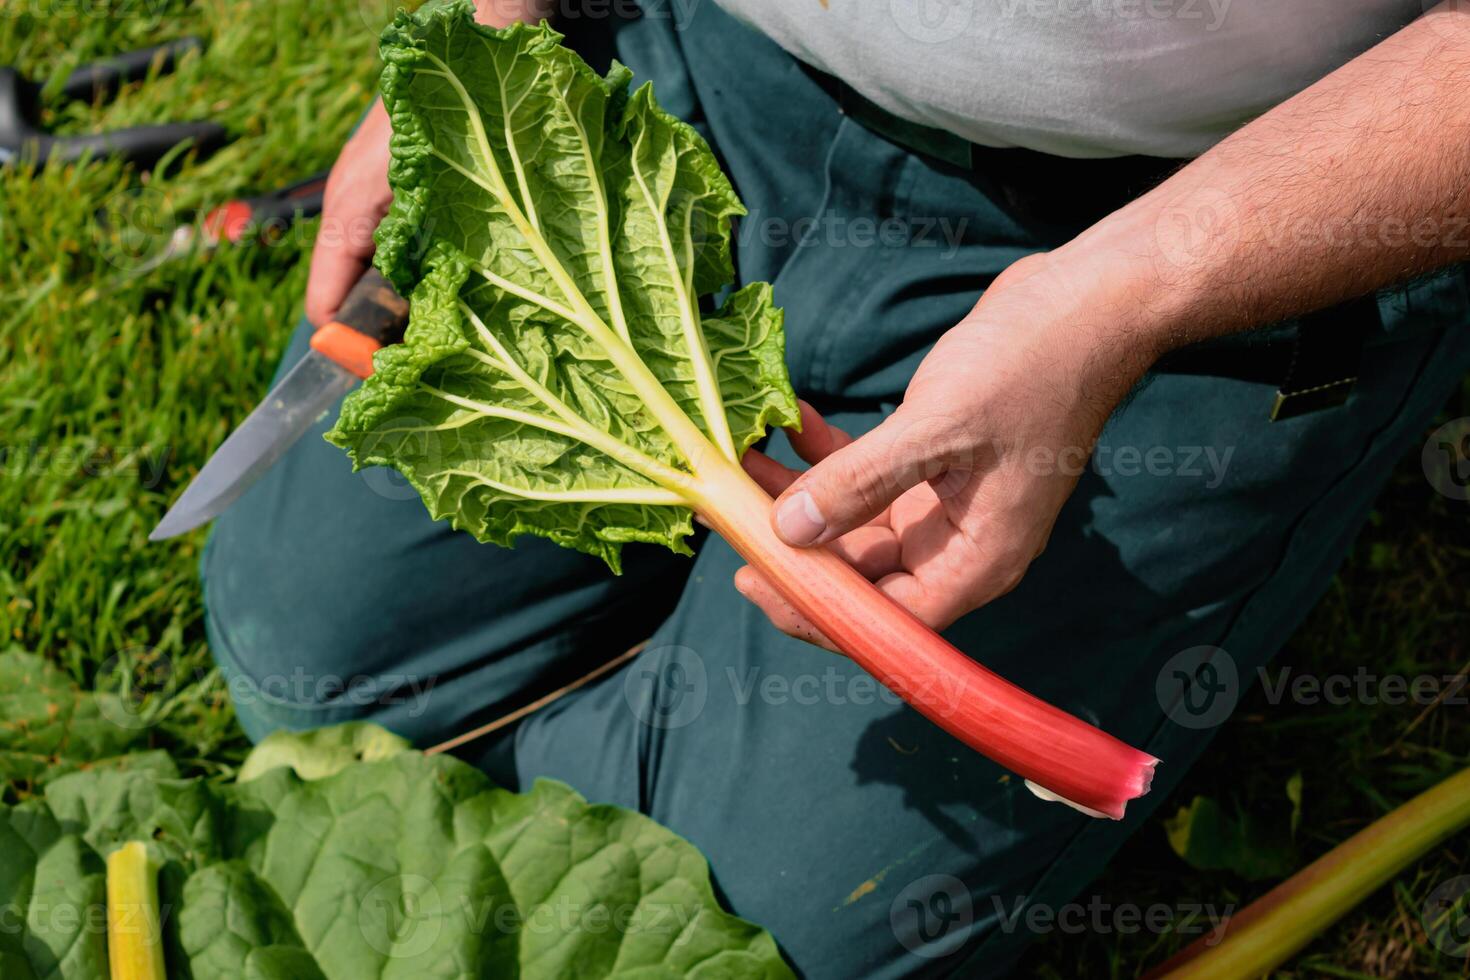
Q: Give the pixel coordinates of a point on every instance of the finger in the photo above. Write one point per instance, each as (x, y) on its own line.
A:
(772, 476)
(871, 549)
(939, 606)
(910, 593)
(356, 198)
(817, 439)
(814, 442)
(857, 481)
(755, 587)
(948, 572)
(334, 271)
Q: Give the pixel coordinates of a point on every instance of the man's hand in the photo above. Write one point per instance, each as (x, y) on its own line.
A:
(947, 502)
(1358, 182)
(356, 198)
(357, 194)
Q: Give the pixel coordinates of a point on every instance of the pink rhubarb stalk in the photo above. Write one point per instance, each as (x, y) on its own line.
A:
(1060, 756)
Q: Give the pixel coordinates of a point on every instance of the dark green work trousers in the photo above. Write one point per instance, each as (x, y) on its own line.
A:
(867, 840)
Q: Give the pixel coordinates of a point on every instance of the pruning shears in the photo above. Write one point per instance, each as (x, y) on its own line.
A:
(22, 137)
(372, 316)
(264, 218)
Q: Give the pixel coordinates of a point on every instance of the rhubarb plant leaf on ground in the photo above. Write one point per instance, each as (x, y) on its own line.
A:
(49, 726)
(555, 233)
(404, 867)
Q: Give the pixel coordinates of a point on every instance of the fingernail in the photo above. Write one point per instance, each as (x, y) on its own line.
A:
(798, 520)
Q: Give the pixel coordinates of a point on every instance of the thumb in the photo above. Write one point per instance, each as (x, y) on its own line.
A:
(857, 482)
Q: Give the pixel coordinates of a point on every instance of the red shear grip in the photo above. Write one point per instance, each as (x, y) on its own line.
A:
(347, 347)
(228, 222)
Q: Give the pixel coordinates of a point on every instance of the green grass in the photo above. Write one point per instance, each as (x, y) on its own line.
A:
(104, 379)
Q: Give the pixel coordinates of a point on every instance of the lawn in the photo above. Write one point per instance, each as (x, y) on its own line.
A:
(115, 386)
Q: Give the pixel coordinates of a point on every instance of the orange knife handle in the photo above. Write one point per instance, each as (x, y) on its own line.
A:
(372, 316)
(348, 348)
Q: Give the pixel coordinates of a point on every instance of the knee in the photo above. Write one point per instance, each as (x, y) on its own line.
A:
(294, 651)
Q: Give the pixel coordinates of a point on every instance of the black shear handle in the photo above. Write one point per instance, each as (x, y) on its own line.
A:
(143, 145)
(101, 79)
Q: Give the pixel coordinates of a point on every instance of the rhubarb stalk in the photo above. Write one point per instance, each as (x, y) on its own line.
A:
(134, 931)
(1059, 755)
(1278, 924)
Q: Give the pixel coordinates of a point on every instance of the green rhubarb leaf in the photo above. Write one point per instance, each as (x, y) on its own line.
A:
(233, 924)
(555, 234)
(49, 726)
(405, 867)
(322, 752)
(1207, 837)
(51, 888)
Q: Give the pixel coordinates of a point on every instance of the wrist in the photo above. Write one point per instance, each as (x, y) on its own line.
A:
(1190, 253)
(1062, 316)
(1108, 310)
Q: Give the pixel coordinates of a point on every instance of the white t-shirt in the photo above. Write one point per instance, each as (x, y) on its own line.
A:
(1079, 78)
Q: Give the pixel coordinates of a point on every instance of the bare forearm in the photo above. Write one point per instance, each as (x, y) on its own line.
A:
(503, 13)
(1360, 181)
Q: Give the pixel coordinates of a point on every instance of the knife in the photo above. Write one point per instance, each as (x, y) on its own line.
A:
(372, 316)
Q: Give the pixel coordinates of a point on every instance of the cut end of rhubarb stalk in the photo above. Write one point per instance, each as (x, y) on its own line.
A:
(1115, 812)
(1043, 793)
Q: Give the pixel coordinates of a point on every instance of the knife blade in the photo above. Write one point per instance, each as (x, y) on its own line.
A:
(371, 316)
